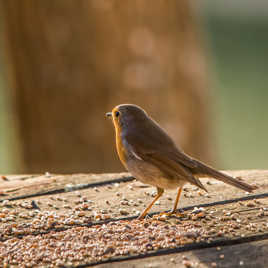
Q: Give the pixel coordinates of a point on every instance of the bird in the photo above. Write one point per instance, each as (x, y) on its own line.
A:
(152, 157)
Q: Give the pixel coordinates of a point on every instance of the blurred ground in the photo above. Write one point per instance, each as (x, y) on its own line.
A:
(237, 52)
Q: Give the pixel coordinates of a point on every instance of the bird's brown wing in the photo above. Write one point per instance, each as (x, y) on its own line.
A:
(180, 157)
(160, 150)
(171, 168)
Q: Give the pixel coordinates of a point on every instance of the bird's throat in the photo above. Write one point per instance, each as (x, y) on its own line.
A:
(122, 153)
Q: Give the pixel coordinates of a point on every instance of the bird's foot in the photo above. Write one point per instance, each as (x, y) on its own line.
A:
(141, 217)
(174, 213)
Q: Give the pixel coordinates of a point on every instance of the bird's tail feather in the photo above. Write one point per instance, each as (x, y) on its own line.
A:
(205, 170)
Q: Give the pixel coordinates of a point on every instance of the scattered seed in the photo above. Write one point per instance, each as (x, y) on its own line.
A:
(4, 178)
(187, 263)
(6, 203)
(123, 212)
(81, 213)
(251, 204)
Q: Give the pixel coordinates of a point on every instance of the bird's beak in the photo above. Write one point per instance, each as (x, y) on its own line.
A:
(109, 114)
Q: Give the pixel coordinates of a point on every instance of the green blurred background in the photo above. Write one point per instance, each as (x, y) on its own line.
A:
(239, 67)
(236, 52)
(8, 159)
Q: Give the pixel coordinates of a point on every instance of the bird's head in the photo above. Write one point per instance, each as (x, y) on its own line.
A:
(127, 116)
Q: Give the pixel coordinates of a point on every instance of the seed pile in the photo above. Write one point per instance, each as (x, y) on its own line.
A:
(89, 244)
(78, 245)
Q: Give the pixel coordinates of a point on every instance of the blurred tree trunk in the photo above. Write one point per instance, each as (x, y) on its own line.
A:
(72, 61)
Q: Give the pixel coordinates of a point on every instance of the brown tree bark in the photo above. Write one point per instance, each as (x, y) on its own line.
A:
(72, 61)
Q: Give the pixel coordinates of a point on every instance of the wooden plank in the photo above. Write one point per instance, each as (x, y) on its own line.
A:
(138, 195)
(217, 224)
(247, 255)
(17, 187)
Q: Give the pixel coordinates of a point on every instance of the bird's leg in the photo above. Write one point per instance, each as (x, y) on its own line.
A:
(176, 201)
(160, 191)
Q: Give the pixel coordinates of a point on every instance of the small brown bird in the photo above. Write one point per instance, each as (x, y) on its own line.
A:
(151, 156)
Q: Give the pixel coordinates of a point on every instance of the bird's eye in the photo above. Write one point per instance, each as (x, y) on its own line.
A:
(117, 114)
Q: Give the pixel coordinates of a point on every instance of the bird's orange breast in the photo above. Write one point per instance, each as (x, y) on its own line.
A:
(121, 150)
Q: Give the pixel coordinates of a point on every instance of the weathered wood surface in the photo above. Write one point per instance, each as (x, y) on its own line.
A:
(247, 255)
(234, 224)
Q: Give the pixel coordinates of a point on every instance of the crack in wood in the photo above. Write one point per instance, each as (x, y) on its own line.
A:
(71, 189)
